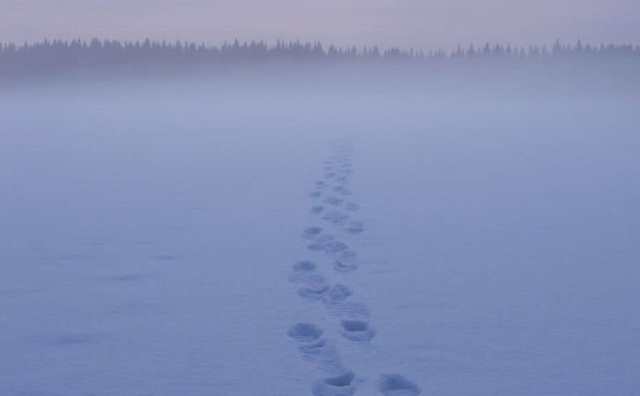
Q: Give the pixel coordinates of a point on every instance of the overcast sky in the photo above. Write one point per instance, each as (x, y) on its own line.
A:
(405, 23)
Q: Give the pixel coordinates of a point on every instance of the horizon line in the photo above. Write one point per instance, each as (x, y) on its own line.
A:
(274, 44)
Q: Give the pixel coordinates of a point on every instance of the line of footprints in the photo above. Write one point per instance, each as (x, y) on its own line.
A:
(333, 208)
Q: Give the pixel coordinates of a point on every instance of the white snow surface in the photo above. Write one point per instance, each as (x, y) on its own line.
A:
(148, 237)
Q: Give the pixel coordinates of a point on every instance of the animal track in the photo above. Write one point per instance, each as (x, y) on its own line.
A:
(397, 385)
(340, 385)
(357, 330)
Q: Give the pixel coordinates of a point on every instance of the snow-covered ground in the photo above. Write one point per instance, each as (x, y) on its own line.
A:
(201, 241)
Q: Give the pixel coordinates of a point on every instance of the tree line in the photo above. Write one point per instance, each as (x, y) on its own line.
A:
(60, 55)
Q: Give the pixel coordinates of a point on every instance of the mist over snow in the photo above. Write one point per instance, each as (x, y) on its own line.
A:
(461, 226)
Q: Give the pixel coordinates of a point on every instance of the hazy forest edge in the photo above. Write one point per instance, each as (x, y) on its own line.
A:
(51, 58)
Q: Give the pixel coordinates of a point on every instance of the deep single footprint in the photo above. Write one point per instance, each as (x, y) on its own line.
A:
(357, 330)
(317, 209)
(311, 232)
(340, 385)
(397, 385)
(305, 332)
(316, 194)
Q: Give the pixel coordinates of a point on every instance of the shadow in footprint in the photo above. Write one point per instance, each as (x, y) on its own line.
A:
(397, 385)
(305, 332)
(357, 330)
(340, 385)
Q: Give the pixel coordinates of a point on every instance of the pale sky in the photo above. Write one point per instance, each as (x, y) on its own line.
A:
(405, 23)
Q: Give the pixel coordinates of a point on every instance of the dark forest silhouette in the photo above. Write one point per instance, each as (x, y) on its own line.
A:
(50, 57)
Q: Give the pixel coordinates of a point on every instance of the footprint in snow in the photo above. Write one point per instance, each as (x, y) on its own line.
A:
(302, 271)
(340, 385)
(316, 348)
(397, 385)
(313, 287)
(357, 330)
